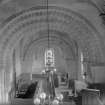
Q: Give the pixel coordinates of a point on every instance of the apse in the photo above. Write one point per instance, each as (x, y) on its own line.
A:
(33, 55)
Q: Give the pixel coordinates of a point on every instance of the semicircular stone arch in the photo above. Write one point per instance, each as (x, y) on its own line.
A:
(56, 37)
(34, 20)
(54, 41)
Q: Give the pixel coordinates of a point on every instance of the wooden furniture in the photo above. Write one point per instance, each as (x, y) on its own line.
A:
(91, 97)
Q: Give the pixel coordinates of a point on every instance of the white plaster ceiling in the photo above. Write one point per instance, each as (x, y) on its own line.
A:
(75, 27)
(63, 20)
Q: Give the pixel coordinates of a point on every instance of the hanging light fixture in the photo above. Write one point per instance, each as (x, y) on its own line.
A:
(47, 21)
(49, 52)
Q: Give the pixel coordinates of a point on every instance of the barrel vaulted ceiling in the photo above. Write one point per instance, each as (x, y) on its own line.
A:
(66, 26)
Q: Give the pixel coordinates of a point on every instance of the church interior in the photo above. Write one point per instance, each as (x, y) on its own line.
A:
(52, 52)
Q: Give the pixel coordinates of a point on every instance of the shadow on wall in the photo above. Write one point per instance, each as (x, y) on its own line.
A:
(23, 79)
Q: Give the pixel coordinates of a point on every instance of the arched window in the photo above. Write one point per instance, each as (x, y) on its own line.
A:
(49, 57)
(82, 67)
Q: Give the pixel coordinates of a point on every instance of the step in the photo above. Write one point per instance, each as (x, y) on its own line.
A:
(18, 101)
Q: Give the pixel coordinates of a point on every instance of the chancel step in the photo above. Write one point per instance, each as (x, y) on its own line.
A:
(17, 101)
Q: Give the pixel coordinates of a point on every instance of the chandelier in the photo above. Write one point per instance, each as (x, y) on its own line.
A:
(47, 21)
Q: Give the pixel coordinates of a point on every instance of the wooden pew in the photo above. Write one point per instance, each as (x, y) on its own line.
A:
(91, 97)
